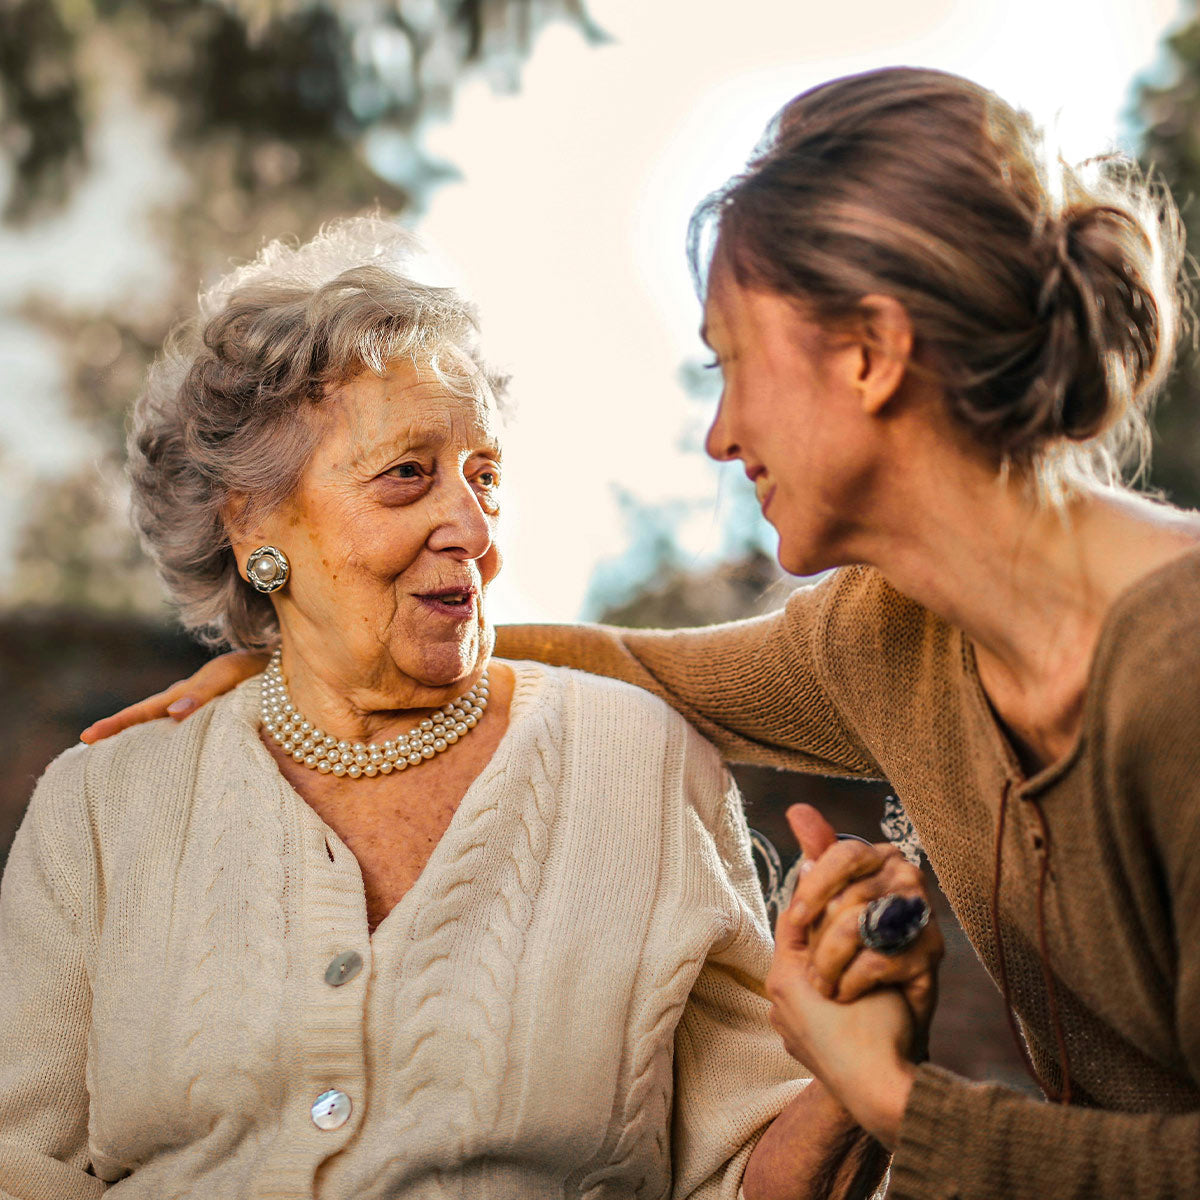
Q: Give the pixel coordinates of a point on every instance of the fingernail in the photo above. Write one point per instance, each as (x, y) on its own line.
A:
(806, 865)
(181, 707)
(83, 737)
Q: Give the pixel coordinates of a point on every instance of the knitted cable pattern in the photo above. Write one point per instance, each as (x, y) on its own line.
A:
(646, 1116)
(514, 1027)
(458, 1023)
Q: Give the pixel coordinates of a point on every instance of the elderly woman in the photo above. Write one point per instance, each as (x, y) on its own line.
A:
(396, 919)
(937, 341)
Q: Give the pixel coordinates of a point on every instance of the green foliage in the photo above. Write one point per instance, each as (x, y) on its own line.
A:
(1170, 116)
(276, 111)
(41, 126)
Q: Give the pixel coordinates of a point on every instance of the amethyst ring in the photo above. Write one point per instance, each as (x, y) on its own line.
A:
(892, 923)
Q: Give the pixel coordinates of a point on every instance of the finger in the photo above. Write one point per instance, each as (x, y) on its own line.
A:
(838, 947)
(788, 974)
(895, 878)
(871, 969)
(149, 709)
(783, 1029)
(922, 995)
(838, 867)
(222, 673)
(813, 833)
(902, 876)
(791, 934)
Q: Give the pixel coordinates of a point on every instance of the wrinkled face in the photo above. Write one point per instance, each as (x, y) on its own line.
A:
(391, 537)
(790, 413)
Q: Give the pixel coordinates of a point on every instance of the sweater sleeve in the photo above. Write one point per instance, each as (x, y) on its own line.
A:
(733, 1076)
(967, 1141)
(46, 1001)
(753, 688)
(975, 1142)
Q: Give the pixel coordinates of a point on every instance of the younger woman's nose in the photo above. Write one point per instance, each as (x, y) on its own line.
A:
(719, 443)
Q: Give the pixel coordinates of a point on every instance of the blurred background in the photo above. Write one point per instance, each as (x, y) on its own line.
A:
(549, 151)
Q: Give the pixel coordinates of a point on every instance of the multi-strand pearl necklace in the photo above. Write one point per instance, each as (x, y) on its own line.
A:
(322, 752)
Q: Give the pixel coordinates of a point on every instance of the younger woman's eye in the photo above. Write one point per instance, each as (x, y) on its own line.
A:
(715, 365)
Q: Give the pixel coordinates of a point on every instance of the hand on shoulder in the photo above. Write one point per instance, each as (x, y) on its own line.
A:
(184, 697)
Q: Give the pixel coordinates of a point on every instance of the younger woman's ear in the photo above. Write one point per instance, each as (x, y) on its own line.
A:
(886, 341)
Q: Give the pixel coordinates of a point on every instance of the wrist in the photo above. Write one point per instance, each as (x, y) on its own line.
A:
(877, 1099)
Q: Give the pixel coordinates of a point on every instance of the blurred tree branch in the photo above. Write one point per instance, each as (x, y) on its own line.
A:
(1170, 117)
(304, 72)
(41, 125)
(281, 114)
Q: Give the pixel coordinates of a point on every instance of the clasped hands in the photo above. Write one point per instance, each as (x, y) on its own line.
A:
(857, 1018)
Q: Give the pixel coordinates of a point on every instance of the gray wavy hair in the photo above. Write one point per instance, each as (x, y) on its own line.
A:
(222, 416)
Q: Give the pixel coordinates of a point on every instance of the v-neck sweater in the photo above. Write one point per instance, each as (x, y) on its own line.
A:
(563, 1004)
(852, 678)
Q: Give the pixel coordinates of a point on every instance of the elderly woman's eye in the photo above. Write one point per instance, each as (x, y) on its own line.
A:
(488, 479)
(406, 470)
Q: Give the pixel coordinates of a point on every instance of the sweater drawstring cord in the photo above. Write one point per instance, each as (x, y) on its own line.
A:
(1061, 1095)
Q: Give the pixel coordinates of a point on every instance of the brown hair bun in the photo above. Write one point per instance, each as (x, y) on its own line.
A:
(1045, 297)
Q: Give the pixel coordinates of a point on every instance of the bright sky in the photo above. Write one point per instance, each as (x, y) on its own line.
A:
(568, 227)
(569, 223)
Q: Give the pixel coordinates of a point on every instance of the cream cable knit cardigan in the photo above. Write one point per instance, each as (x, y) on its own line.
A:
(557, 1008)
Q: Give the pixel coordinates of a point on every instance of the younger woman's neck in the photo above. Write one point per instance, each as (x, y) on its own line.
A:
(1029, 583)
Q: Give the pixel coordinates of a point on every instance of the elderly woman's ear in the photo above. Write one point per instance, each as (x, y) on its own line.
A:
(261, 562)
(233, 512)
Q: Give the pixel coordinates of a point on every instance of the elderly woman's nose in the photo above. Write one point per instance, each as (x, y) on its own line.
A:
(460, 524)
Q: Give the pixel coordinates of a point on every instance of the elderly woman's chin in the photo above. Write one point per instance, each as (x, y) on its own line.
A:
(447, 631)
(439, 636)
(389, 533)
(447, 662)
(388, 919)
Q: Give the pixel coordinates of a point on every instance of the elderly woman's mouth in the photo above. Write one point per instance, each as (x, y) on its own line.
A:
(450, 602)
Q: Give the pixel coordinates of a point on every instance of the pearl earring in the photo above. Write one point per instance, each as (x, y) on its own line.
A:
(268, 569)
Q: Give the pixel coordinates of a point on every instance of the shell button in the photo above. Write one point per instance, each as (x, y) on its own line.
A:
(331, 1110)
(343, 968)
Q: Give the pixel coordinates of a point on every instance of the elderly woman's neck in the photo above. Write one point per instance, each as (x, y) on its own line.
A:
(364, 702)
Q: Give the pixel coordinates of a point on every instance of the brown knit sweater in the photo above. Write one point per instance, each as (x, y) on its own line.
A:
(852, 678)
